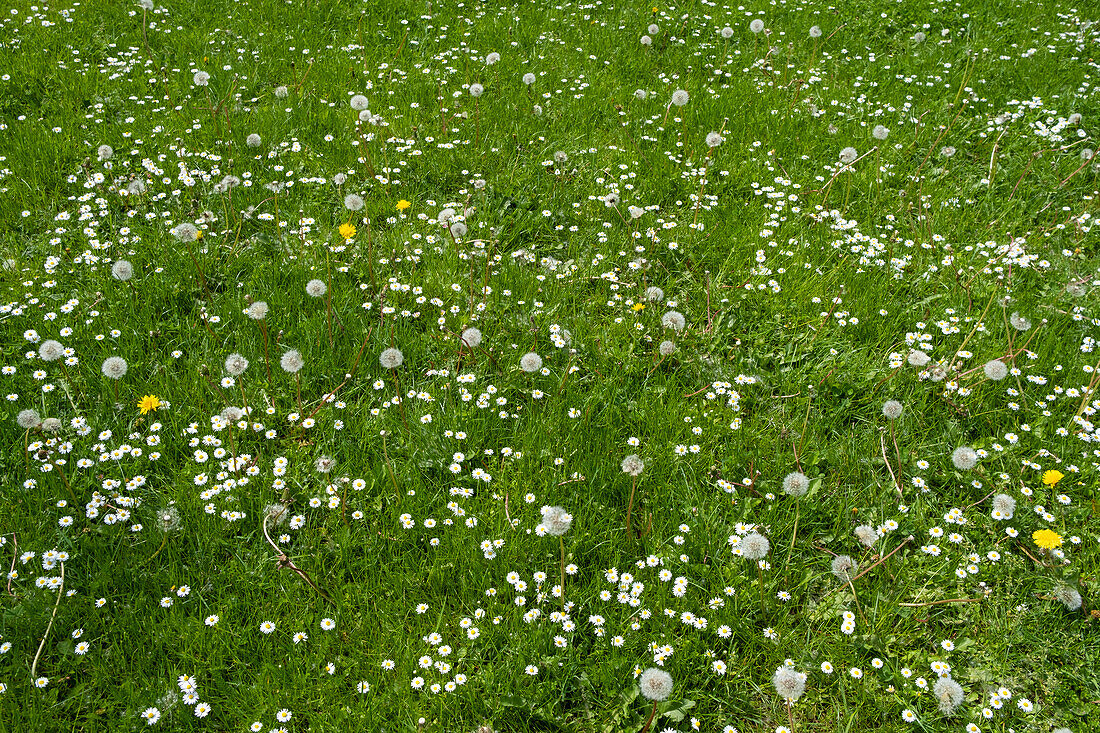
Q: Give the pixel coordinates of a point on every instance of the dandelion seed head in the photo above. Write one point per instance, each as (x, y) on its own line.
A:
(51, 350)
(556, 520)
(674, 320)
(235, 364)
(633, 465)
(391, 358)
(28, 419)
(755, 546)
(995, 369)
(892, 409)
(789, 683)
(530, 362)
(949, 694)
(114, 367)
(843, 568)
(292, 361)
(964, 458)
(471, 337)
(795, 484)
(655, 684)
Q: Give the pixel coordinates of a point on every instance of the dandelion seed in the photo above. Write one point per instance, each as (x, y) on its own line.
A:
(530, 362)
(359, 103)
(815, 31)
(918, 358)
(666, 348)
(353, 202)
(528, 78)
(104, 153)
(476, 90)
(201, 79)
(879, 132)
(848, 155)
(253, 141)
(316, 288)
(756, 25)
(1019, 322)
(714, 139)
(679, 97)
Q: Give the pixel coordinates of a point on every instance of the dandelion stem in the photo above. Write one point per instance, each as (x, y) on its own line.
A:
(945, 600)
(561, 542)
(630, 504)
(389, 466)
(649, 720)
(897, 481)
(41, 644)
(285, 562)
(797, 509)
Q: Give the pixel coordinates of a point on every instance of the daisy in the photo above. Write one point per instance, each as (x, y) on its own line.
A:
(328, 624)
(300, 637)
(202, 710)
(267, 627)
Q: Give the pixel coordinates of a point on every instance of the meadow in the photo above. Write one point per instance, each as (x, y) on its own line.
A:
(549, 366)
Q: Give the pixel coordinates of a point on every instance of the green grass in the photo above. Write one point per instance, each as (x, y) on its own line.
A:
(804, 284)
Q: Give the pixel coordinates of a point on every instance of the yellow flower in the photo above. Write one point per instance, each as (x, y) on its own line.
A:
(1046, 539)
(347, 231)
(149, 402)
(638, 306)
(1052, 477)
(198, 234)
(403, 204)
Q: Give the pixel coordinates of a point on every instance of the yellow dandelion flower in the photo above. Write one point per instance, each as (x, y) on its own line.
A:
(1046, 539)
(637, 307)
(403, 204)
(148, 403)
(1052, 477)
(347, 231)
(198, 234)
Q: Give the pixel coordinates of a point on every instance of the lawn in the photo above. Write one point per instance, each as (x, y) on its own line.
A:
(419, 366)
